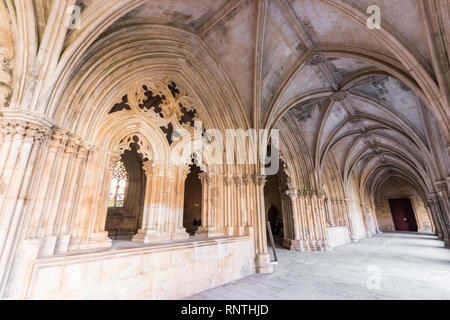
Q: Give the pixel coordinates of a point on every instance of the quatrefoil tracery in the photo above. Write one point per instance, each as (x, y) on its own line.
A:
(162, 100)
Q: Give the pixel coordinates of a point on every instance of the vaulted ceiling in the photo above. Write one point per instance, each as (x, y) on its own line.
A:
(370, 98)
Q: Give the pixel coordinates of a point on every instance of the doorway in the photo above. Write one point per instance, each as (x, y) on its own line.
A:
(403, 215)
(192, 200)
(276, 222)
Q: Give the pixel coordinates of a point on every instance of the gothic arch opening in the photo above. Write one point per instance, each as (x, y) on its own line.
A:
(192, 210)
(276, 210)
(126, 195)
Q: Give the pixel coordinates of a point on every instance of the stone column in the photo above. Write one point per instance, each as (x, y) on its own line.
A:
(238, 205)
(208, 227)
(322, 236)
(329, 213)
(15, 181)
(95, 231)
(178, 209)
(443, 203)
(149, 230)
(50, 237)
(436, 218)
(263, 263)
(246, 179)
(62, 229)
(57, 142)
(229, 229)
(296, 243)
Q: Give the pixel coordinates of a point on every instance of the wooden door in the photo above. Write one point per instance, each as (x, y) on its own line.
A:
(403, 215)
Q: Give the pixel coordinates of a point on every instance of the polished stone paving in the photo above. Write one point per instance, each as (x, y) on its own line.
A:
(386, 266)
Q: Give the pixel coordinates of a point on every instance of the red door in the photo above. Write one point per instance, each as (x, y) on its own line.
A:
(403, 215)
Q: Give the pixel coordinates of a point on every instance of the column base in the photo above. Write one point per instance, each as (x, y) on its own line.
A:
(263, 264)
(180, 234)
(306, 245)
(62, 244)
(229, 231)
(150, 236)
(97, 240)
(249, 231)
(47, 248)
(208, 232)
(240, 231)
(447, 243)
(294, 245)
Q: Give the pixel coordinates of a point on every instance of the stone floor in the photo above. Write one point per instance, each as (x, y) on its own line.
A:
(409, 265)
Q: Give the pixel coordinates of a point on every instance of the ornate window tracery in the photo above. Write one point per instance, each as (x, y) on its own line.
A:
(164, 102)
(118, 186)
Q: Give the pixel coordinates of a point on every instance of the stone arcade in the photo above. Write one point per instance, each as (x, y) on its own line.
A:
(109, 111)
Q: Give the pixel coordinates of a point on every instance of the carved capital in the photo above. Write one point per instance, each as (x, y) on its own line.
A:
(259, 180)
(72, 146)
(83, 151)
(228, 181)
(293, 194)
(237, 181)
(441, 185)
(205, 178)
(150, 169)
(246, 179)
(25, 130)
(59, 139)
(321, 194)
(339, 96)
(114, 157)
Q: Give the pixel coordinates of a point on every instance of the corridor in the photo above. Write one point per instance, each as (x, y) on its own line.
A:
(386, 266)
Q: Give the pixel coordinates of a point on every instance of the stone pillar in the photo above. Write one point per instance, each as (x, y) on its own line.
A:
(57, 142)
(62, 228)
(437, 221)
(240, 231)
(50, 237)
(329, 213)
(149, 230)
(296, 242)
(246, 180)
(229, 229)
(180, 230)
(208, 227)
(16, 177)
(443, 204)
(322, 236)
(263, 263)
(96, 219)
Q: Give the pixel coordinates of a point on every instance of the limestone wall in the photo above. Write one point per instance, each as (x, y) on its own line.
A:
(154, 272)
(338, 236)
(397, 189)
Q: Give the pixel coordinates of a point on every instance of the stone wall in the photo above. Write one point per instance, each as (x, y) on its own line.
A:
(397, 189)
(169, 271)
(338, 236)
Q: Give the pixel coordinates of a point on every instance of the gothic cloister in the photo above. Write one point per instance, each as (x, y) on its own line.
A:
(146, 140)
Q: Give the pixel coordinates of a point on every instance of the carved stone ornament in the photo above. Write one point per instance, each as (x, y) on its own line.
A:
(339, 96)
(30, 132)
(259, 180)
(163, 101)
(315, 60)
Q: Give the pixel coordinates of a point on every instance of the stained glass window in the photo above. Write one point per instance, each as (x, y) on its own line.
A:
(118, 186)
